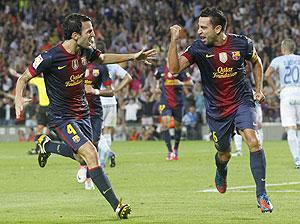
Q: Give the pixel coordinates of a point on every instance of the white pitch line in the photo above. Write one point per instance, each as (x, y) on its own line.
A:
(250, 186)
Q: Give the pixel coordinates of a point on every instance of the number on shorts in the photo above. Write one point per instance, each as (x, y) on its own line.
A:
(71, 130)
(214, 135)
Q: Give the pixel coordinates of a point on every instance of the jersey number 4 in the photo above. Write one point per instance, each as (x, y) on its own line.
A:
(71, 130)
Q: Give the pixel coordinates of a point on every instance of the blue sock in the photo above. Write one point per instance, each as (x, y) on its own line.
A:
(258, 169)
(167, 137)
(101, 181)
(60, 149)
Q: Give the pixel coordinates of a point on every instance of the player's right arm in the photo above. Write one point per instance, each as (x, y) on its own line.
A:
(176, 64)
(21, 85)
(269, 73)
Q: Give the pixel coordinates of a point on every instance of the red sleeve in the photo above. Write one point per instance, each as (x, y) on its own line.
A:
(185, 54)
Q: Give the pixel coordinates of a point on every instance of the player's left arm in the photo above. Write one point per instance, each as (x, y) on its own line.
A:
(142, 55)
(258, 76)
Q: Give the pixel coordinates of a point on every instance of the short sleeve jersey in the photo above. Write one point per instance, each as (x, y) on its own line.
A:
(288, 68)
(64, 79)
(223, 73)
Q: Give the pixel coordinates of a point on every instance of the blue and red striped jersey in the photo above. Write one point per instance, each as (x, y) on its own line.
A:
(64, 79)
(223, 73)
(172, 94)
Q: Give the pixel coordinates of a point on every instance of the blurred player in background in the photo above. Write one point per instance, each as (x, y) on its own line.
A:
(109, 105)
(288, 68)
(228, 95)
(171, 104)
(63, 67)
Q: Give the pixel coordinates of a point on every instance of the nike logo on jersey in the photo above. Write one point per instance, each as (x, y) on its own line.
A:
(61, 67)
(209, 55)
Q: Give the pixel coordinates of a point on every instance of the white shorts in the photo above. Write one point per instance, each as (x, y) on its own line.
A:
(109, 115)
(290, 106)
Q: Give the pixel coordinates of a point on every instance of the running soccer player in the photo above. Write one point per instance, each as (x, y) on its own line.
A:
(63, 67)
(171, 104)
(228, 95)
(288, 68)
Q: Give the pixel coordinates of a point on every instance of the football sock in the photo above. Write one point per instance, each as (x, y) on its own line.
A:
(293, 143)
(101, 181)
(60, 149)
(103, 150)
(108, 139)
(258, 169)
(260, 136)
(221, 165)
(167, 137)
(298, 136)
(177, 138)
(238, 140)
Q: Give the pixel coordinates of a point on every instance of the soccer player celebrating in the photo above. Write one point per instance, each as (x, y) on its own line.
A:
(228, 96)
(63, 67)
(171, 104)
(288, 68)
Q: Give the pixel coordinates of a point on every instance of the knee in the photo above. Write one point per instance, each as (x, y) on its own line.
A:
(89, 153)
(224, 156)
(253, 143)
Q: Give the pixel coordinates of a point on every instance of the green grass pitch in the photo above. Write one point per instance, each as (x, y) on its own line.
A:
(159, 191)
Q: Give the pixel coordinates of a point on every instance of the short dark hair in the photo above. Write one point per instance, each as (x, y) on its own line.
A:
(73, 23)
(216, 16)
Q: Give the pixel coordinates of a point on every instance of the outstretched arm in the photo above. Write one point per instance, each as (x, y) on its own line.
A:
(176, 64)
(142, 55)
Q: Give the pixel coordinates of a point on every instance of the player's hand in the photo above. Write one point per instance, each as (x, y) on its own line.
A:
(20, 102)
(88, 89)
(175, 32)
(157, 91)
(259, 97)
(145, 56)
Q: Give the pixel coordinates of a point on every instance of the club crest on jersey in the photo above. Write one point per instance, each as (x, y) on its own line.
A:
(236, 55)
(75, 64)
(76, 138)
(223, 57)
(96, 72)
(83, 61)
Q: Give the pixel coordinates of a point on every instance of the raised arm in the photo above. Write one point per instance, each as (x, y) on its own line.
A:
(21, 85)
(176, 64)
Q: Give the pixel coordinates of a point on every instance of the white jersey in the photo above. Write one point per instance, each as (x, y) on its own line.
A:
(114, 70)
(288, 68)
